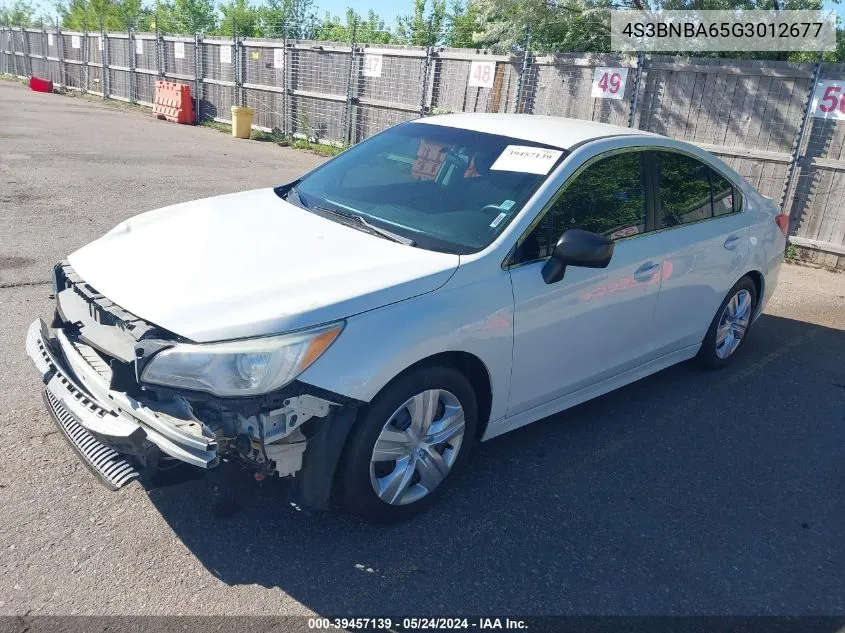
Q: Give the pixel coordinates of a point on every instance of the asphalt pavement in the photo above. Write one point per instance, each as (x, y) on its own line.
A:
(688, 492)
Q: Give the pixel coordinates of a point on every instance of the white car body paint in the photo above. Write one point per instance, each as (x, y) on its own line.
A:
(251, 265)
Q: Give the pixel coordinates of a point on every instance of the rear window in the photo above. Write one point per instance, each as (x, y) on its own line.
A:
(691, 191)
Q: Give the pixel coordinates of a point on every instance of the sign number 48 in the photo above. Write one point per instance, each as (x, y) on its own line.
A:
(482, 74)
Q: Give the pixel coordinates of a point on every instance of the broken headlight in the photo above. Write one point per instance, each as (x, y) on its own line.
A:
(247, 367)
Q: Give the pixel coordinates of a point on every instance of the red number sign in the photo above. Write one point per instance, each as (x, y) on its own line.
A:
(609, 83)
(482, 74)
(829, 100)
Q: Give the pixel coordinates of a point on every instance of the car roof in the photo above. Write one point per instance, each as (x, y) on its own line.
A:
(555, 131)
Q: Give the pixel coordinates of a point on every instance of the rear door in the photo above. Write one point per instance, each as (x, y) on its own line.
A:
(704, 236)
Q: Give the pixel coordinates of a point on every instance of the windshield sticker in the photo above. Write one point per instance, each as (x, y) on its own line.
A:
(529, 160)
(507, 205)
(498, 220)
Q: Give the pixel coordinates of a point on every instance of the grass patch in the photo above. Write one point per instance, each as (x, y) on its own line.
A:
(216, 125)
(316, 148)
(13, 79)
(279, 139)
(791, 253)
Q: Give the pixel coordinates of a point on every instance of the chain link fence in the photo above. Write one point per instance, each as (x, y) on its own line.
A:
(779, 124)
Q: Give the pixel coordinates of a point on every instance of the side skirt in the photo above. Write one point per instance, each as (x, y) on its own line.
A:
(588, 393)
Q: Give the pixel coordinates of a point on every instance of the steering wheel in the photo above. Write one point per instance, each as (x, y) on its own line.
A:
(492, 208)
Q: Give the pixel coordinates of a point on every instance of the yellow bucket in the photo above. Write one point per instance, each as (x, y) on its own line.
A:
(241, 121)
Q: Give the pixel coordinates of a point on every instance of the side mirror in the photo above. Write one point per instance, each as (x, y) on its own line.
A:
(577, 248)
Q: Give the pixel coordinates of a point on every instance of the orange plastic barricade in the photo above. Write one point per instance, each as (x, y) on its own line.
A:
(173, 102)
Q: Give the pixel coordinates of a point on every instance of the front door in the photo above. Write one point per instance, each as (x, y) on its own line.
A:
(593, 323)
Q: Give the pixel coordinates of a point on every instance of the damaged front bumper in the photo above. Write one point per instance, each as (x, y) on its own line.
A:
(295, 434)
(114, 418)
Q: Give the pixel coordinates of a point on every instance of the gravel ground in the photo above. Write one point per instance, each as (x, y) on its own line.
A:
(687, 492)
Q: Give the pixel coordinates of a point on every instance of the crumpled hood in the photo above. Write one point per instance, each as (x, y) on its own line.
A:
(250, 264)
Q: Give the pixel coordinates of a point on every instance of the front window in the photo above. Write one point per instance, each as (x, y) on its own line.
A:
(444, 188)
(607, 197)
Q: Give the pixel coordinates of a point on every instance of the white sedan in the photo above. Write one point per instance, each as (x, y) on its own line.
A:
(444, 282)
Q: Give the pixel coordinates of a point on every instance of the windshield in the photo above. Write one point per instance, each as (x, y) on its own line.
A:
(442, 188)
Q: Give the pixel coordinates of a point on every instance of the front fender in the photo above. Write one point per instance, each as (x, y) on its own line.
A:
(471, 313)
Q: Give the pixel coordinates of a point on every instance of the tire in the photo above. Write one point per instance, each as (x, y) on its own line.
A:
(383, 421)
(714, 354)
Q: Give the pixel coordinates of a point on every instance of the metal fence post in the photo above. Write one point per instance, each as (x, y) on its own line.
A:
(240, 58)
(86, 69)
(523, 71)
(14, 52)
(27, 60)
(285, 98)
(350, 98)
(60, 47)
(236, 66)
(133, 80)
(45, 51)
(425, 105)
(105, 79)
(797, 144)
(160, 62)
(635, 93)
(198, 76)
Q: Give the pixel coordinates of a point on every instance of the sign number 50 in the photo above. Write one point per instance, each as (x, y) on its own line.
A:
(829, 100)
(609, 83)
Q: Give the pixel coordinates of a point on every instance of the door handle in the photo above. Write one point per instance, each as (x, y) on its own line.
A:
(732, 242)
(646, 271)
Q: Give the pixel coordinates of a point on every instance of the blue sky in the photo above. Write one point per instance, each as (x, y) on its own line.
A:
(388, 10)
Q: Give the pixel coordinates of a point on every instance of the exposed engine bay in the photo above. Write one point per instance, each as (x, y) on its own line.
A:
(90, 357)
(270, 440)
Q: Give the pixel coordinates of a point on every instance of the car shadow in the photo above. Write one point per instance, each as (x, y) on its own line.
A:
(688, 491)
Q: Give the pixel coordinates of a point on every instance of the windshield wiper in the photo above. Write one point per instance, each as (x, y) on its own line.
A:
(372, 228)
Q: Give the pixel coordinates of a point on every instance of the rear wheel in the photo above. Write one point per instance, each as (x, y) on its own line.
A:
(729, 327)
(405, 451)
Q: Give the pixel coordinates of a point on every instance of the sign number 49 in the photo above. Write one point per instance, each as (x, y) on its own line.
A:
(609, 83)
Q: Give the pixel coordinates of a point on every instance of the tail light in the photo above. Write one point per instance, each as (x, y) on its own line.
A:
(782, 220)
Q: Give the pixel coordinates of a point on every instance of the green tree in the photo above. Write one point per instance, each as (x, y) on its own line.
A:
(19, 13)
(462, 24)
(369, 30)
(421, 28)
(295, 19)
(567, 25)
(239, 18)
(90, 15)
(185, 16)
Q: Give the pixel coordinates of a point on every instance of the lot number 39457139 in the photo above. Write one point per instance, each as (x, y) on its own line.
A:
(829, 99)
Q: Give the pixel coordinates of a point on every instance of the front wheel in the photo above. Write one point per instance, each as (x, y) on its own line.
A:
(729, 327)
(407, 448)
